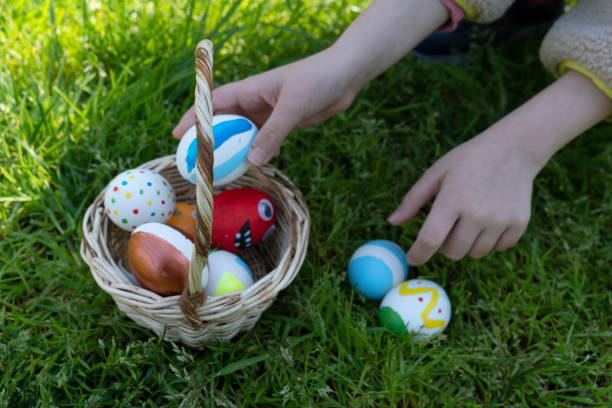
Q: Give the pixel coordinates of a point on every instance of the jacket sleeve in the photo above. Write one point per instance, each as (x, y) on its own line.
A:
(582, 40)
(484, 11)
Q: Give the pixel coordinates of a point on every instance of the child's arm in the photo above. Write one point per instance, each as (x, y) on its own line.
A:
(313, 89)
(483, 187)
(384, 33)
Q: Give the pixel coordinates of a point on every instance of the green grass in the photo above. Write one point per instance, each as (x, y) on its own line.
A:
(91, 88)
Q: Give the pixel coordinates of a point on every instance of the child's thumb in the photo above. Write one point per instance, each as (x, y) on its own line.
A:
(269, 139)
(187, 121)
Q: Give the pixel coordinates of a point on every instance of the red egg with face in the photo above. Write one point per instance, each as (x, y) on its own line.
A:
(241, 218)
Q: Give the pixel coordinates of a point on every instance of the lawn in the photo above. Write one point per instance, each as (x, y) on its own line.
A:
(91, 88)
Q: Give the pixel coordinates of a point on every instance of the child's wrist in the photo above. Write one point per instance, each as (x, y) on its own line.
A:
(551, 119)
(502, 136)
(335, 64)
(383, 34)
(350, 75)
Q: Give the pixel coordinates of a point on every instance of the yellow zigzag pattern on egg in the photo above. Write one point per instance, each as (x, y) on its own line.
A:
(429, 323)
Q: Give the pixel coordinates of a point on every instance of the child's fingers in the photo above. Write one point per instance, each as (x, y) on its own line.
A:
(187, 121)
(460, 239)
(509, 237)
(420, 193)
(281, 122)
(484, 243)
(225, 99)
(432, 235)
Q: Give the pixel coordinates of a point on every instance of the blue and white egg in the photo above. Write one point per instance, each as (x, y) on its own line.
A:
(227, 273)
(376, 266)
(233, 136)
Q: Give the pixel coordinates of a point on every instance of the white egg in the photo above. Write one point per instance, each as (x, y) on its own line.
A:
(418, 306)
(138, 196)
(226, 273)
(233, 136)
(186, 155)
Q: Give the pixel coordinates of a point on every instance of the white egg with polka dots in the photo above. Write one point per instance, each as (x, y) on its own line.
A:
(138, 196)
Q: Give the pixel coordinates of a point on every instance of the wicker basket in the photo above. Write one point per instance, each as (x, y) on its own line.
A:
(190, 317)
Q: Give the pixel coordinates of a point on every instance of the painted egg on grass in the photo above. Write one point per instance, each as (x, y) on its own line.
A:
(376, 266)
(184, 219)
(227, 273)
(138, 196)
(233, 135)
(241, 218)
(418, 306)
(159, 258)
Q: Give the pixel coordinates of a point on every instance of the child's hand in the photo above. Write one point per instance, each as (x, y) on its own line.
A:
(313, 89)
(293, 96)
(483, 196)
(483, 187)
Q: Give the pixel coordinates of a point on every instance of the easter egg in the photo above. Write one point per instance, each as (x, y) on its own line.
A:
(233, 135)
(227, 273)
(184, 219)
(241, 218)
(138, 196)
(376, 266)
(186, 155)
(418, 306)
(159, 258)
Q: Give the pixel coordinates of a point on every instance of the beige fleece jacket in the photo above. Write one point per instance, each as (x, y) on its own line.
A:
(581, 39)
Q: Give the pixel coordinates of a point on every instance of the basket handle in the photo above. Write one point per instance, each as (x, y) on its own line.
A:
(193, 295)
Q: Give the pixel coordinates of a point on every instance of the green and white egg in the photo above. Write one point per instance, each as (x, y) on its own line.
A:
(416, 306)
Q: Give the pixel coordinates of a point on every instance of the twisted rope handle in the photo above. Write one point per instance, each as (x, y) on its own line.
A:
(193, 295)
